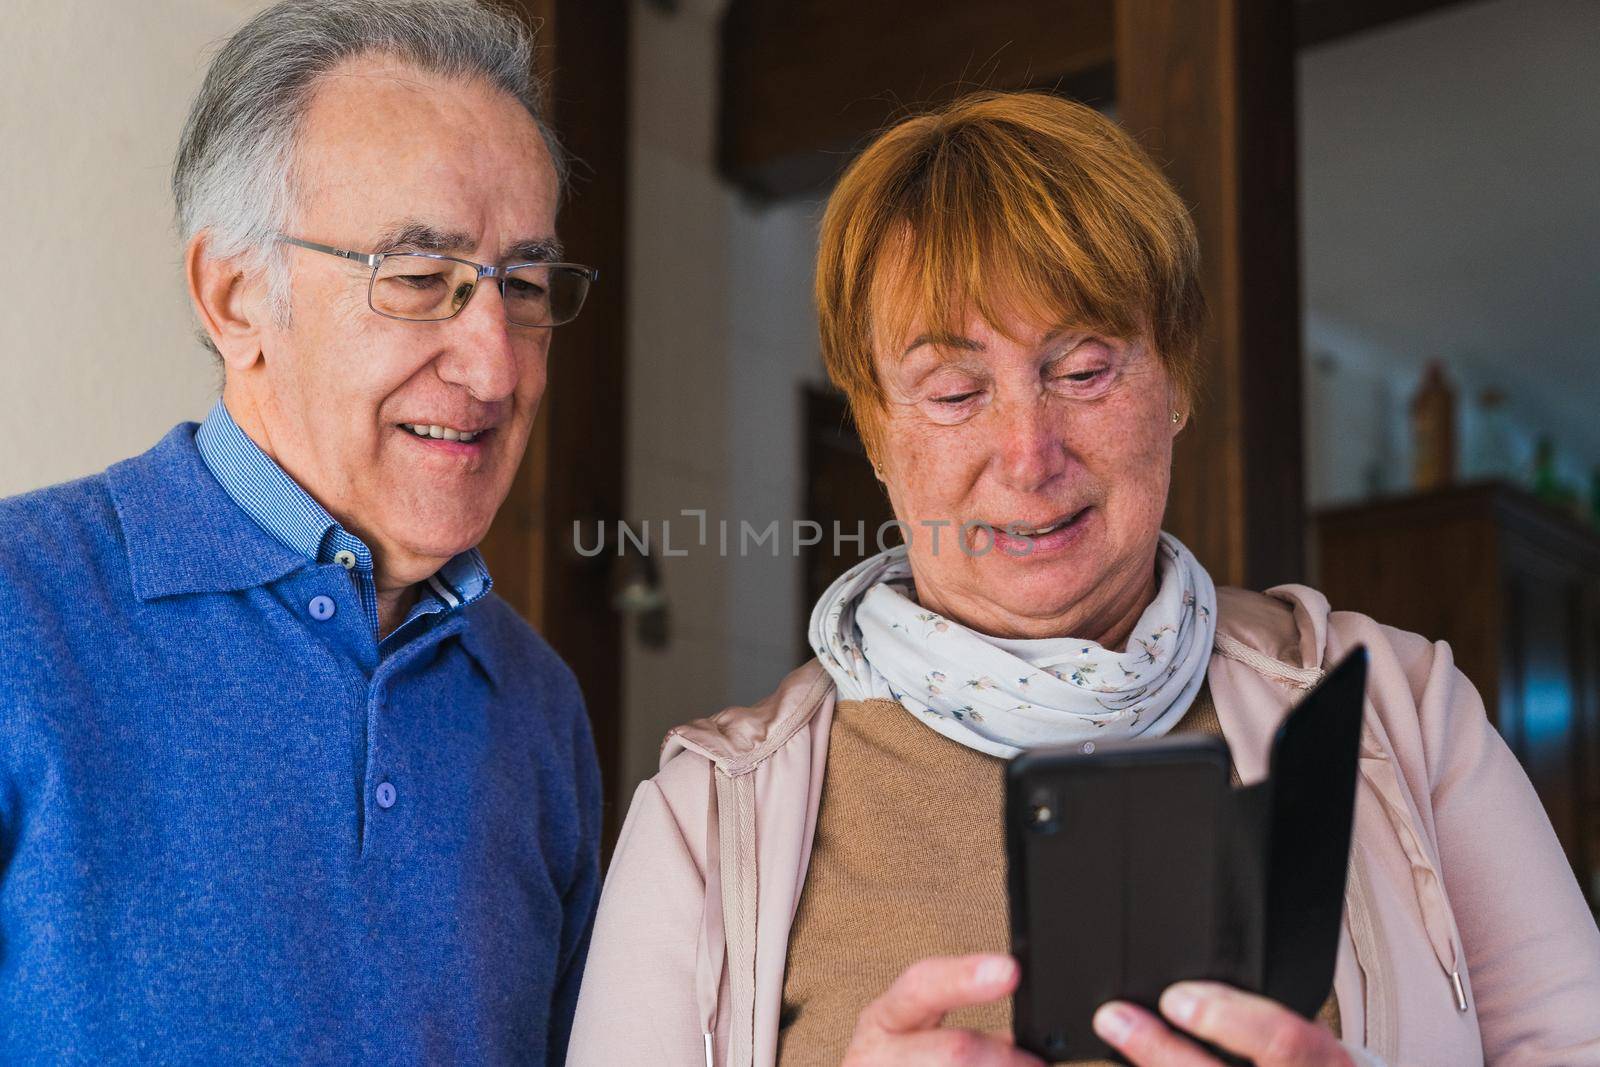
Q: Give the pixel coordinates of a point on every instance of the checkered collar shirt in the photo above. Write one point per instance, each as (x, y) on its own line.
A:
(286, 511)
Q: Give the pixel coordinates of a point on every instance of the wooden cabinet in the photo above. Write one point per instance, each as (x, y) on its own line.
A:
(1514, 586)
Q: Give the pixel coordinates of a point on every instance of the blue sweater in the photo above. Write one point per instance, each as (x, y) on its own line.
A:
(231, 832)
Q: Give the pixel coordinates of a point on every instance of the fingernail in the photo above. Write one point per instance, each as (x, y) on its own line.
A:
(1113, 1023)
(1179, 1003)
(994, 971)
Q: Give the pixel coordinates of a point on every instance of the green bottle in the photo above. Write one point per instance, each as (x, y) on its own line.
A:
(1547, 484)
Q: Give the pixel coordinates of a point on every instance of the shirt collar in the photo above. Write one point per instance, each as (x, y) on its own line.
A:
(259, 486)
(463, 580)
(206, 510)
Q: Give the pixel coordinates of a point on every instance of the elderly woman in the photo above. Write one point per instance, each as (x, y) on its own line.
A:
(1008, 296)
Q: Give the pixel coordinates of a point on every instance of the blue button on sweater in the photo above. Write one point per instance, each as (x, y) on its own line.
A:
(197, 864)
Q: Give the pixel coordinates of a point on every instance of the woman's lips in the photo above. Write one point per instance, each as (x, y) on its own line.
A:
(1057, 540)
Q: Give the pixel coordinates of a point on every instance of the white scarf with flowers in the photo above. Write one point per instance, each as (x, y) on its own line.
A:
(1005, 696)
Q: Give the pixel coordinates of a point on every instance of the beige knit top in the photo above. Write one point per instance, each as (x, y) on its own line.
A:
(884, 890)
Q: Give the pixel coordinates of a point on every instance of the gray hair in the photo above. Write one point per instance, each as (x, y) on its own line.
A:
(234, 171)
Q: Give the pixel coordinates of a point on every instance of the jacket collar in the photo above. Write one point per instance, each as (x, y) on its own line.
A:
(184, 534)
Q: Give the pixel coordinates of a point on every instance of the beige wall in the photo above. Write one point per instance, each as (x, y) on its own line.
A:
(721, 339)
(97, 354)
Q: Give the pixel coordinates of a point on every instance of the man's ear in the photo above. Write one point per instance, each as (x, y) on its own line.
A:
(232, 303)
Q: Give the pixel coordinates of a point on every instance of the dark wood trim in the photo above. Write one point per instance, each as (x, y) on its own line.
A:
(805, 82)
(574, 469)
(1267, 212)
(1209, 87)
(1566, 541)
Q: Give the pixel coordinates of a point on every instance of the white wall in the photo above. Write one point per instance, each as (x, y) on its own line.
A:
(721, 338)
(97, 354)
(1447, 168)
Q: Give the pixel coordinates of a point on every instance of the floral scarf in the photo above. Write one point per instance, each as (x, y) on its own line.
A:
(1006, 696)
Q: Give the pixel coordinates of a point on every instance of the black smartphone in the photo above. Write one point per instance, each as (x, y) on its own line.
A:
(1135, 865)
(1113, 881)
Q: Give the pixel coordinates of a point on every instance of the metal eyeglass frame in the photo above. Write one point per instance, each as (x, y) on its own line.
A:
(496, 274)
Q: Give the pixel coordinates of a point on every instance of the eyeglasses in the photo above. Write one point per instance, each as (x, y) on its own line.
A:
(429, 287)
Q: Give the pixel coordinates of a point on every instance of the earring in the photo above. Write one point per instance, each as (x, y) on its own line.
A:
(1177, 417)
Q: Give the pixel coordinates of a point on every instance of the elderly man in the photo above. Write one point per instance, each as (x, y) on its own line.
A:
(281, 780)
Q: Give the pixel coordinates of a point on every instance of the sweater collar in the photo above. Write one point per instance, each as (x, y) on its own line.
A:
(189, 531)
(185, 535)
(280, 506)
(183, 532)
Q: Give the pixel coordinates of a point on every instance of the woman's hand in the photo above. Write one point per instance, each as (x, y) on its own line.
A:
(1261, 1030)
(902, 1026)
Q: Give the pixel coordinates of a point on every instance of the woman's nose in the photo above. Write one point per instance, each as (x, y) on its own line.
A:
(1031, 450)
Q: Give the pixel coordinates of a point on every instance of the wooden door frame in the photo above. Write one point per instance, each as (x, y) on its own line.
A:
(575, 466)
(806, 83)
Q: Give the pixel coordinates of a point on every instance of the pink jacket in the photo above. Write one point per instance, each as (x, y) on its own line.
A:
(1465, 941)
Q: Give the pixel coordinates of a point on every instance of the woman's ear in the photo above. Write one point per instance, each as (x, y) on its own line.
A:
(877, 466)
(1177, 408)
(231, 303)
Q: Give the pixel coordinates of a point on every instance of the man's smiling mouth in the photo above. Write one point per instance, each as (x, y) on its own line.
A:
(444, 433)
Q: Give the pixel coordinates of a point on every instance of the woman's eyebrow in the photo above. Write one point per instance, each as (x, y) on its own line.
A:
(941, 340)
(909, 374)
(967, 344)
(1075, 334)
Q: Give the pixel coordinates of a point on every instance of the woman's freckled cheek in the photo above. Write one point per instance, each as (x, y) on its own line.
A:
(933, 469)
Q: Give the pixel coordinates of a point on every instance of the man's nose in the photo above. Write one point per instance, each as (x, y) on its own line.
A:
(481, 354)
(1031, 451)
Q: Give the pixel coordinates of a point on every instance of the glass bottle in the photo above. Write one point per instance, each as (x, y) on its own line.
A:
(1433, 430)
